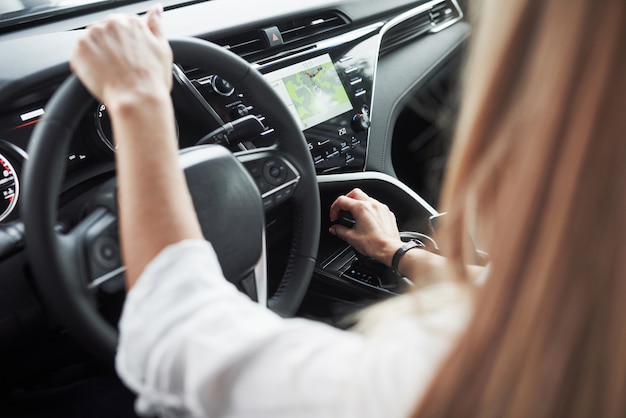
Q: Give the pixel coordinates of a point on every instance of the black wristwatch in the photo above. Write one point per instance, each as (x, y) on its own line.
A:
(395, 261)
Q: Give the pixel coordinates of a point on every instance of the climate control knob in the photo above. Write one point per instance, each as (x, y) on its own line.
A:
(360, 122)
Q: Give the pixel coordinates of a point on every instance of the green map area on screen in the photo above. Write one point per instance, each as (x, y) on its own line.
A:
(317, 94)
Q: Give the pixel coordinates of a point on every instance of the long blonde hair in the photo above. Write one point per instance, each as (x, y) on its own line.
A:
(541, 152)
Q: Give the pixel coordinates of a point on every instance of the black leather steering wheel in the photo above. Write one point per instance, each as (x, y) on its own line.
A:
(71, 267)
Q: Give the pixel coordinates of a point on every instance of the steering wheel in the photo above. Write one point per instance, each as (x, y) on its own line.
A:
(72, 267)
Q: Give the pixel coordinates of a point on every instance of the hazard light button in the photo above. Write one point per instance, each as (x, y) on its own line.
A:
(272, 36)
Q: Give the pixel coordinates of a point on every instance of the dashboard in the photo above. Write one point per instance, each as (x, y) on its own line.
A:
(328, 86)
(347, 71)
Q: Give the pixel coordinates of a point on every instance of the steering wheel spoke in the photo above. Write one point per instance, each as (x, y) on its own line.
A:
(95, 242)
(102, 253)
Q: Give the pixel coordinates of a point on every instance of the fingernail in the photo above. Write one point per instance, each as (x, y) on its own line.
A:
(332, 231)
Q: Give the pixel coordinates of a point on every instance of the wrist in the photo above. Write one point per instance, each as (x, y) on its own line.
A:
(125, 103)
(387, 250)
(143, 124)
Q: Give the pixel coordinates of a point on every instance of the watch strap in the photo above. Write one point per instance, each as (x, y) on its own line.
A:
(395, 261)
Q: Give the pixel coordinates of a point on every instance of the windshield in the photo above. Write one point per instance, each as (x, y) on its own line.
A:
(21, 11)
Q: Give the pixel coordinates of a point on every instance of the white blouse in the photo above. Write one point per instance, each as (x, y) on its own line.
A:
(192, 345)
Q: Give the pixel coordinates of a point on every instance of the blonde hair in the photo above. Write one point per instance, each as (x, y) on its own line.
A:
(541, 152)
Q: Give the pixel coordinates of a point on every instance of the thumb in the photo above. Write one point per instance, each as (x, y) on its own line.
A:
(341, 232)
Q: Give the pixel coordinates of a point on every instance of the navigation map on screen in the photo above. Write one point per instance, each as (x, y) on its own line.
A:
(312, 90)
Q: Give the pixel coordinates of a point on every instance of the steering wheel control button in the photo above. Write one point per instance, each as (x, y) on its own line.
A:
(274, 171)
(269, 202)
(283, 194)
(289, 190)
(254, 168)
(262, 184)
(106, 252)
(114, 285)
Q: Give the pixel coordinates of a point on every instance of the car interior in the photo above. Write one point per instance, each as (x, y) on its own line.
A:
(281, 106)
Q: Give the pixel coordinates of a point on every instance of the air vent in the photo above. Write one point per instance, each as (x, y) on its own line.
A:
(309, 27)
(252, 44)
(443, 13)
(243, 44)
(418, 24)
(405, 31)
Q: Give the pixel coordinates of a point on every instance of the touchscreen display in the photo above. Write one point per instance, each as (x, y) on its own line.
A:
(312, 90)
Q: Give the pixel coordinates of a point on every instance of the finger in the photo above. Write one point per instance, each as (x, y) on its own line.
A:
(86, 50)
(358, 194)
(342, 232)
(153, 19)
(341, 203)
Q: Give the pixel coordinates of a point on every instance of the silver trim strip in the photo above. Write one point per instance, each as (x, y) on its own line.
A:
(375, 175)
(103, 279)
(419, 10)
(282, 186)
(386, 27)
(321, 45)
(260, 275)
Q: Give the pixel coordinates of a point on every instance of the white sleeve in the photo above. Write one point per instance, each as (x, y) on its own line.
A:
(192, 345)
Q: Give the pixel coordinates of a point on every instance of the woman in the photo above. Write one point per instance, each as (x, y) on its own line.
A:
(537, 174)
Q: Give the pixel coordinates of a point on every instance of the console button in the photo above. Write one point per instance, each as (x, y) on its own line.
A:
(360, 122)
(318, 159)
(273, 37)
(221, 86)
(240, 110)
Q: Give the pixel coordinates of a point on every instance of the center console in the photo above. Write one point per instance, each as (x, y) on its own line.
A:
(338, 265)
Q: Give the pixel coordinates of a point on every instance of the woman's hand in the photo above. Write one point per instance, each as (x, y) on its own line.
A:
(124, 58)
(375, 233)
